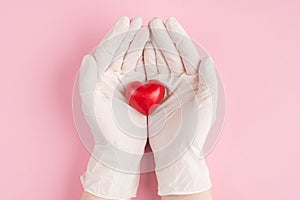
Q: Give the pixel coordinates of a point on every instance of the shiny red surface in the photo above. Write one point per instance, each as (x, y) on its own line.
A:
(145, 97)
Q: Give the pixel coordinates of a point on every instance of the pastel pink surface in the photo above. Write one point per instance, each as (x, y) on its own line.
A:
(255, 45)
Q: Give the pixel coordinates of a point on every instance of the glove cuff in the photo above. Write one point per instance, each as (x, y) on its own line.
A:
(108, 183)
(187, 175)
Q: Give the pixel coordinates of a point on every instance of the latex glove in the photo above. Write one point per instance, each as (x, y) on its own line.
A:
(179, 126)
(119, 131)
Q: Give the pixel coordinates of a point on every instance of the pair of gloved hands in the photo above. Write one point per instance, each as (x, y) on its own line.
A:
(176, 130)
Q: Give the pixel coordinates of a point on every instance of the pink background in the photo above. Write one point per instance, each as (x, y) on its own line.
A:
(254, 43)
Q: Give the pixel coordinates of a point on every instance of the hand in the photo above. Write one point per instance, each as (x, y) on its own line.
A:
(179, 126)
(113, 169)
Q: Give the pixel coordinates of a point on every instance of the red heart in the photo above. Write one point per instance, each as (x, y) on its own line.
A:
(145, 97)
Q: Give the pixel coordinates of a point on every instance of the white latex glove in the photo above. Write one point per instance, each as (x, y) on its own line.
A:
(179, 126)
(120, 132)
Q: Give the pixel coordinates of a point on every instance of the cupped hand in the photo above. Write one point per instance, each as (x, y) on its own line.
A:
(120, 132)
(179, 126)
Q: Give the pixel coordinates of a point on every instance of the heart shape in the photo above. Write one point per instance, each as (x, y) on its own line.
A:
(145, 97)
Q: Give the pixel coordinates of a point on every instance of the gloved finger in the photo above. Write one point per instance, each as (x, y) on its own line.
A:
(108, 82)
(113, 74)
(140, 68)
(88, 84)
(150, 61)
(208, 74)
(121, 26)
(135, 24)
(136, 74)
(88, 75)
(160, 39)
(184, 45)
(161, 63)
(121, 79)
(105, 51)
(135, 50)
